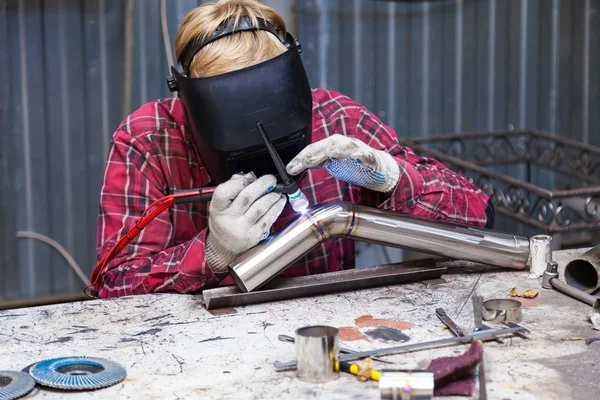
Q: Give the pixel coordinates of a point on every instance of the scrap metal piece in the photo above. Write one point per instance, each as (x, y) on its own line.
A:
(326, 283)
(406, 384)
(441, 314)
(526, 294)
(499, 310)
(15, 384)
(478, 316)
(78, 373)
(478, 311)
(592, 340)
(409, 348)
(522, 333)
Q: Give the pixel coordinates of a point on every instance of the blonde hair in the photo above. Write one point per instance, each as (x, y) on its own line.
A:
(233, 52)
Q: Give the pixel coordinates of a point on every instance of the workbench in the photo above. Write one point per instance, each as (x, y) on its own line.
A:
(173, 348)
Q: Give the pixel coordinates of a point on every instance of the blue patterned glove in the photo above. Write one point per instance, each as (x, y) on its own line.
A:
(349, 160)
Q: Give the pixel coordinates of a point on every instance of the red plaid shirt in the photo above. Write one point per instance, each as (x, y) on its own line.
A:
(151, 156)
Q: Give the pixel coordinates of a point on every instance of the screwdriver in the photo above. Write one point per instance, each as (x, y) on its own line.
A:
(354, 369)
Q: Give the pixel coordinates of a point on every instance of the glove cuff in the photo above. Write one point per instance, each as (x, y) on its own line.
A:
(217, 257)
(392, 171)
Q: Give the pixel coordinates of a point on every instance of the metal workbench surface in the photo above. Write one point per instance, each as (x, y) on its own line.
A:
(174, 349)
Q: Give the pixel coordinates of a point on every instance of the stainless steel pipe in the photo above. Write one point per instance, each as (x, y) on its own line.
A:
(583, 272)
(258, 265)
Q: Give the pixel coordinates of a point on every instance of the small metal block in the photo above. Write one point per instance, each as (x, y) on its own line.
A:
(15, 384)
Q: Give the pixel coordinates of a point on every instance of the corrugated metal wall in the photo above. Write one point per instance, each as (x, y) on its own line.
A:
(424, 68)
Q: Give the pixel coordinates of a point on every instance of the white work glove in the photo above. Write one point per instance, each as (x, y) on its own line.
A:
(240, 215)
(349, 160)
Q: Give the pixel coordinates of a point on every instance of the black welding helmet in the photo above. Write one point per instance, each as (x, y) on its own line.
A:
(222, 111)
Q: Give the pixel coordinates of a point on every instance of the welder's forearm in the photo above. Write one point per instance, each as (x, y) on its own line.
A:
(437, 194)
(409, 187)
(180, 268)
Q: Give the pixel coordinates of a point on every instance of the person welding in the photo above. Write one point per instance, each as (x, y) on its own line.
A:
(241, 69)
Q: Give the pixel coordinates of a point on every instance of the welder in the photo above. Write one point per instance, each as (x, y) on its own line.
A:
(239, 68)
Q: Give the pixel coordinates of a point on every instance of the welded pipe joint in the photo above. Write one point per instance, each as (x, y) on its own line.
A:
(406, 384)
(540, 254)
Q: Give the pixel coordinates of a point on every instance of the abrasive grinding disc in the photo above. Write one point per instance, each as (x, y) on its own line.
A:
(14, 384)
(77, 373)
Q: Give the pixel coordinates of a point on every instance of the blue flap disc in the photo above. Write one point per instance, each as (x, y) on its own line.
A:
(14, 384)
(78, 373)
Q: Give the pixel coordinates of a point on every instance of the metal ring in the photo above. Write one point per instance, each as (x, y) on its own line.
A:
(78, 372)
(15, 384)
(502, 310)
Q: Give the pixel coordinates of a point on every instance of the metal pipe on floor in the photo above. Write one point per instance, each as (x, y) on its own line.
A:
(575, 293)
(258, 265)
(584, 272)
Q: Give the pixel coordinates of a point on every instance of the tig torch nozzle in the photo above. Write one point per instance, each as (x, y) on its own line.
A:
(298, 201)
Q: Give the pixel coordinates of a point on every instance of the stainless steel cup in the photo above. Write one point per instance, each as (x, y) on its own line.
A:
(317, 353)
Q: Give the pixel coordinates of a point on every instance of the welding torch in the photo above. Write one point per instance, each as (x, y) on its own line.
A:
(297, 199)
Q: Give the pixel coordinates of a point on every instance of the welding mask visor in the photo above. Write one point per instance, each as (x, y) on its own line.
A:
(222, 111)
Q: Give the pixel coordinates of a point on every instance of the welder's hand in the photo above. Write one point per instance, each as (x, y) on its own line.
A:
(241, 213)
(349, 160)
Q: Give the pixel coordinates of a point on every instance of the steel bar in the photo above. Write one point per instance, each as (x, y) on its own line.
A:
(42, 301)
(320, 284)
(408, 348)
(482, 385)
(478, 316)
(258, 265)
